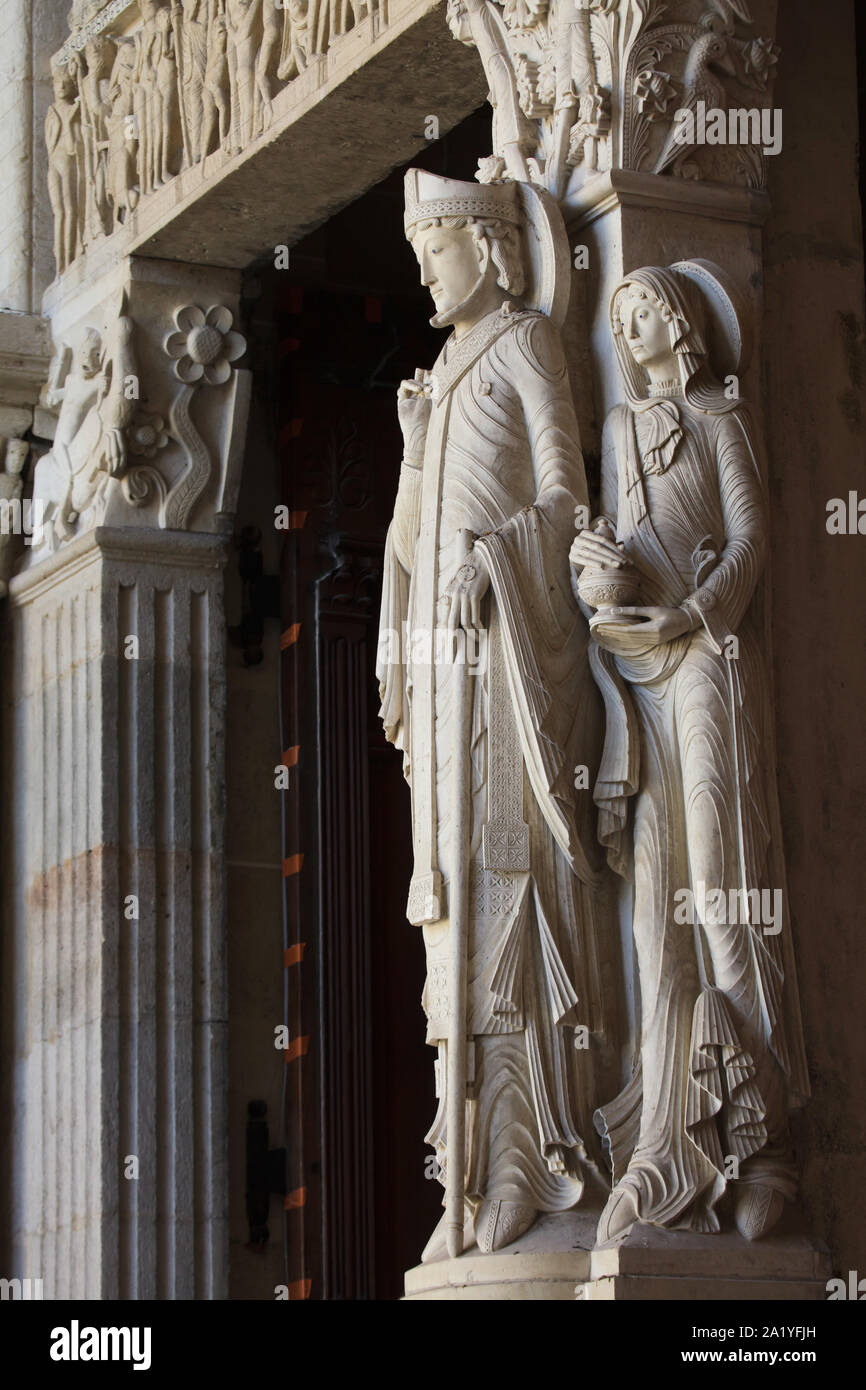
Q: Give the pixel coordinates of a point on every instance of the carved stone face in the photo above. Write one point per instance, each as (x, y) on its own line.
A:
(64, 79)
(97, 52)
(89, 352)
(450, 261)
(646, 332)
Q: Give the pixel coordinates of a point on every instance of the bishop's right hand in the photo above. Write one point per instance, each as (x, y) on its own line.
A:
(414, 400)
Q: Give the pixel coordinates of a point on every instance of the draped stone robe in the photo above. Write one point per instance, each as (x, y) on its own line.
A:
(502, 458)
(688, 770)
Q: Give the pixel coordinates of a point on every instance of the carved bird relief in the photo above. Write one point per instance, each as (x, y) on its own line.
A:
(708, 54)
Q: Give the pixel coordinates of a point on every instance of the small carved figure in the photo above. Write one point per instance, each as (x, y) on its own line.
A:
(14, 453)
(63, 138)
(216, 105)
(122, 138)
(156, 96)
(480, 23)
(93, 79)
(195, 24)
(170, 120)
(244, 31)
(89, 446)
(272, 27)
(295, 43)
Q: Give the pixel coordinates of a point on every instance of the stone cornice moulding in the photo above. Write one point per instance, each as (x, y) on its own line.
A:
(628, 188)
(131, 545)
(69, 299)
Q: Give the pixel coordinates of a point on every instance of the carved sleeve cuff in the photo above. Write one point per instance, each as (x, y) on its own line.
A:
(703, 607)
(508, 526)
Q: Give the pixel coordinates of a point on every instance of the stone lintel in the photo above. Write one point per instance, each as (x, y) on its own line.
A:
(336, 130)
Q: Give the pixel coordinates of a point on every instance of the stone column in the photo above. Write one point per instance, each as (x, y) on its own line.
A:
(114, 710)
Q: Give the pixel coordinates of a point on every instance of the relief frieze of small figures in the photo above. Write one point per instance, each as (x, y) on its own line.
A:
(132, 110)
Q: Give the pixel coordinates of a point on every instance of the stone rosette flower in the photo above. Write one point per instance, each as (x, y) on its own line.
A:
(593, 123)
(204, 345)
(653, 92)
(146, 435)
(760, 57)
(491, 169)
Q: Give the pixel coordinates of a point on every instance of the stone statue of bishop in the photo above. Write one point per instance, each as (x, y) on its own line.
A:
(491, 476)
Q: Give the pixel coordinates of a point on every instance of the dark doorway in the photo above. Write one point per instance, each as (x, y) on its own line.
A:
(348, 321)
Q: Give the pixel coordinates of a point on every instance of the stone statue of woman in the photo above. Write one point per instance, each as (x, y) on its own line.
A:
(686, 789)
(492, 460)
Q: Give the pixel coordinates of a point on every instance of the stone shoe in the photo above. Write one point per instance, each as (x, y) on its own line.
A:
(499, 1223)
(619, 1215)
(757, 1208)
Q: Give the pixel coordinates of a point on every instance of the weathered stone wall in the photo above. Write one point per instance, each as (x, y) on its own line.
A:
(30, 32)
(814, 374)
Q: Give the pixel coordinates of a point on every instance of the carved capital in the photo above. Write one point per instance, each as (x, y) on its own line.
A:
(580, 87)
(150, 407)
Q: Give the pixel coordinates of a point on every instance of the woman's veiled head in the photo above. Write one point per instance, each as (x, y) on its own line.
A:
(658, 320)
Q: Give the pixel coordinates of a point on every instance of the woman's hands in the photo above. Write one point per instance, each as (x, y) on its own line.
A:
(598, 547)
(655, 625)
